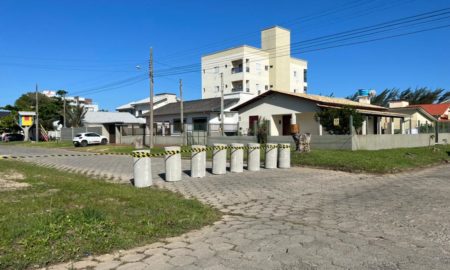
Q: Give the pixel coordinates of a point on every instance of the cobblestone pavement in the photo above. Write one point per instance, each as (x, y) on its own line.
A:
(305, 218)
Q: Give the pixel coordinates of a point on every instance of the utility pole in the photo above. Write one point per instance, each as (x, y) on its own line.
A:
(221, 106)
(150, 74)
(181, 108)
(37, 115)
(64, 110)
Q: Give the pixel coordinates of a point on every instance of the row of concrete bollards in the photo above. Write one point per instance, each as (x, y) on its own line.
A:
(275, 156)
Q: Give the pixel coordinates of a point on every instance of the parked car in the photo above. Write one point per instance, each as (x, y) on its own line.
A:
(85, 139)
(13, 137)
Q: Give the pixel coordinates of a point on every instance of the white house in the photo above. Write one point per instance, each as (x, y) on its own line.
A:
(282, 109)
(251, 71)
(140, 107)
(112, 123)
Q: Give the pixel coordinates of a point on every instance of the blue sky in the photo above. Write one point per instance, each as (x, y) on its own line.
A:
(87, 46)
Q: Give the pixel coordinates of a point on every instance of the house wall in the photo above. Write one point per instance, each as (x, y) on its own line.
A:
(273, 106)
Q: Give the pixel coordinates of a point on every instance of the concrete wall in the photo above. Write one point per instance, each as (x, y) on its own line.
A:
(232, 139)
(387, 141)
(341, 142)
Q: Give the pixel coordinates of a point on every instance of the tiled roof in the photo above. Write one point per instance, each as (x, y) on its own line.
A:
(434, 109)
(194, 106)
(319, 99)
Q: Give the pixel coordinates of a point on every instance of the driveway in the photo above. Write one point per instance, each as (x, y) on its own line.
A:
(303, 218)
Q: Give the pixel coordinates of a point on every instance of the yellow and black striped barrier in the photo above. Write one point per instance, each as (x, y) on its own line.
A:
(137, 154)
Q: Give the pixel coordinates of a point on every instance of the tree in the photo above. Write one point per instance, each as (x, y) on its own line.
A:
(327, 117)
(421, 95)
(75, 115)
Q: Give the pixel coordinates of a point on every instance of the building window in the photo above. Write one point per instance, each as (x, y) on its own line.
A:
(258, 88)
(295, 90)
(266, 68)
(295, 73)
(305, 89)
(266, 87)
(305, 73)
(216, 70)
(271, 86)
(246, 60)
(217, 89)
(177, 125)
(226, 85)
(203, 71)
(226, 66)
(204, 90)
(259, 92)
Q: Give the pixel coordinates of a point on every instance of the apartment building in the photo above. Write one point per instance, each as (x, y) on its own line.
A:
(86, 103)
(250, 71)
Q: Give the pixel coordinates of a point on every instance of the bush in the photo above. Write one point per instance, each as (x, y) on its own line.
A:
(327, 116)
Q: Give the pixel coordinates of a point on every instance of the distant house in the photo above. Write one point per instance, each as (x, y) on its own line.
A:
(282, 109)
(140, 107)
(199, 115)
(113, 123)
(418, 116)
(439, 111)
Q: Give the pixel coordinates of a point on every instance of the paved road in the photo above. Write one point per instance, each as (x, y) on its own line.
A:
(306, 219)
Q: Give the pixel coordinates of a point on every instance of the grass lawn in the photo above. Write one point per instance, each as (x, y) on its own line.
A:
(380, 161)
(63, 216)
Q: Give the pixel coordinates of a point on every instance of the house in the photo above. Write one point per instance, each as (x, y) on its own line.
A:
(418, 116)
(199, 115)
(140, 107)
(282, 109)
(113, 124)
(439, 111)
(249, 71)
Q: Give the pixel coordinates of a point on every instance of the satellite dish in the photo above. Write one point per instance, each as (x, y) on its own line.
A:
(372, 93)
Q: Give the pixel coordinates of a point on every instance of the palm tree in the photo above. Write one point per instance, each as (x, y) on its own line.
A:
(75, 115)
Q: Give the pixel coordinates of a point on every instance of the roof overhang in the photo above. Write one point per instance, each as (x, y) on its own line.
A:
(369, 112)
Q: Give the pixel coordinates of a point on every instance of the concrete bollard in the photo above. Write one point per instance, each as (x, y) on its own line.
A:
(172, 164)
(284, 156)
(271, 156)
(198, 161)
(237, 157)
(253, 157)
(142, 170)
(219, 163)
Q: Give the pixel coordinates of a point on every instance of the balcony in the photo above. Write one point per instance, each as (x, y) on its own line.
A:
(235, 70)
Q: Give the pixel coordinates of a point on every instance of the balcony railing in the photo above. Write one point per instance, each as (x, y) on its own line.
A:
(236, 70)
(237, 89)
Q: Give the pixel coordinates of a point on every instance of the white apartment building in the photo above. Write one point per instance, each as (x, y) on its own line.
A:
(86, 103)
(250, 71)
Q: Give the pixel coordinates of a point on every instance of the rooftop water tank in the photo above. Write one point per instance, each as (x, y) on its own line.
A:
(363, 92)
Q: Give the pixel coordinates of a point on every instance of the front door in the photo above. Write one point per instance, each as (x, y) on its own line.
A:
(252, 122)
(112, 133)
(286, 122)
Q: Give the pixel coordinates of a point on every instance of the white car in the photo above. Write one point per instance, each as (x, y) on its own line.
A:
(84, 139)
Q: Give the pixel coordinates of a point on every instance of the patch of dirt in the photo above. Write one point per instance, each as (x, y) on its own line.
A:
(9, 181)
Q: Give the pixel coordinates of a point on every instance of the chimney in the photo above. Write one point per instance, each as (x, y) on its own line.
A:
(398, 104)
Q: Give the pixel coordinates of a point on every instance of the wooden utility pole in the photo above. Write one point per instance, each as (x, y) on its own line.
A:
(64, 106)
(37, 115)
(150, 74)
(181, 108)
(222, 132)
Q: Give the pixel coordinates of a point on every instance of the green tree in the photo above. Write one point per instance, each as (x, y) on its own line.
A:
(327, 117)
(75, 115)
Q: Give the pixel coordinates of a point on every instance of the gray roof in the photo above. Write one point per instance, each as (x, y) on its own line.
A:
(112, 117)
(195, 106)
